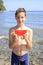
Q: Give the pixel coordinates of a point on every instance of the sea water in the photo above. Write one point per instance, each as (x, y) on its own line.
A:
(34, 19)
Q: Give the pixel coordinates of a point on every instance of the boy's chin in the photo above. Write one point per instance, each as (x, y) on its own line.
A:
(20, 23)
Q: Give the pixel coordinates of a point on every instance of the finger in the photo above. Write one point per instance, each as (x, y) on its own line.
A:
(12, 33)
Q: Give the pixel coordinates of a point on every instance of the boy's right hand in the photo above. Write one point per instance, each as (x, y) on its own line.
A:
(14, 36)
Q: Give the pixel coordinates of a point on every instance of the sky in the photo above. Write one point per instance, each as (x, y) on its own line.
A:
(29, 5)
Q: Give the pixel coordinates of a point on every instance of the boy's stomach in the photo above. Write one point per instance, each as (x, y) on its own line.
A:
(20, 50)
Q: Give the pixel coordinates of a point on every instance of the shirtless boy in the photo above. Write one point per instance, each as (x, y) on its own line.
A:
(20, 44)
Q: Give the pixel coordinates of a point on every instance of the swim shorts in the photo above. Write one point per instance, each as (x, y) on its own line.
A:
(19, 60)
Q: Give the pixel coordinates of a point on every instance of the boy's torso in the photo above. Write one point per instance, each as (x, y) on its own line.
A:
(19, 48)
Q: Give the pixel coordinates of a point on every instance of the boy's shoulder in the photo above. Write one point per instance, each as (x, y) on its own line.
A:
(12, 28)
(29, 29)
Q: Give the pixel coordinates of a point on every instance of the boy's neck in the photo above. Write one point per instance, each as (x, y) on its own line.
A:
(20, 25)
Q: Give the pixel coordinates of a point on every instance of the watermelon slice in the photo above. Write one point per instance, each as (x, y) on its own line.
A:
(20, 32)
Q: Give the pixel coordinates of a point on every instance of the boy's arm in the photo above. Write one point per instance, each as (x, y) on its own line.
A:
(29, 40)
(11, 39)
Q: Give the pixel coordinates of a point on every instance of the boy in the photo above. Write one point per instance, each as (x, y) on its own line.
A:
(20, 44)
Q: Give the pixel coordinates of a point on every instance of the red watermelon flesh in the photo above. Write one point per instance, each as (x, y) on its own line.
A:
(20, 32)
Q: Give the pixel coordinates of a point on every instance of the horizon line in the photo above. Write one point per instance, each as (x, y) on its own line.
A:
(26, 10)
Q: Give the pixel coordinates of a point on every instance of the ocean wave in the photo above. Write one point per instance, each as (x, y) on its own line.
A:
(2, 36)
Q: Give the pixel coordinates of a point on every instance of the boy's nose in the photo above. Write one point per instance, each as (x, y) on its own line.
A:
(20, 19)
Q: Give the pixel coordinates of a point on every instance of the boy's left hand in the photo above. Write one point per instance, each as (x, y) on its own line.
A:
(25, 36)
